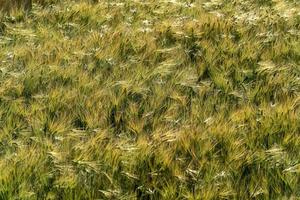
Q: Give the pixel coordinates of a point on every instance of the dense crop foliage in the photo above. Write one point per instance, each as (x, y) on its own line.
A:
(150, 99)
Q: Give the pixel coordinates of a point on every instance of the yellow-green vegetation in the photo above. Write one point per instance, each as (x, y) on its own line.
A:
(156, 99)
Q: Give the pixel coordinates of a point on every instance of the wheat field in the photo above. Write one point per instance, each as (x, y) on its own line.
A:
(150, 100)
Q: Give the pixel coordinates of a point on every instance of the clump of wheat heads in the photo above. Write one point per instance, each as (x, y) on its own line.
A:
(8, 5)
(150, 100)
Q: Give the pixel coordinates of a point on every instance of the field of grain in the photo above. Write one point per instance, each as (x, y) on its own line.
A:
(150, 100)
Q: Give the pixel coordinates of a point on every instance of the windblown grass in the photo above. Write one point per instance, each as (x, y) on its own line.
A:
(150, 100)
